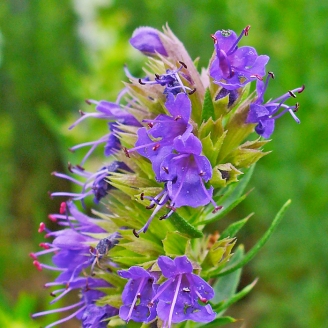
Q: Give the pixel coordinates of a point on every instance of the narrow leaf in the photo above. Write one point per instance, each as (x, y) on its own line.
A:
(208, 108)
(260, 243)
(222, 306)
(184, 227)
(233, 228)
(219, 322)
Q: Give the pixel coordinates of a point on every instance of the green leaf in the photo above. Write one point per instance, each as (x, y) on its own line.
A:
(184, 227)
(175, 244)
(219, 322)
(208, 108)
(233, 228)
(260, 243)
(235, 298)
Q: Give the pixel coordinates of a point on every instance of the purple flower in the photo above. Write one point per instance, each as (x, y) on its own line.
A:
(97, 317)
(234, 67)
(148, 41)
(96, 184)
(165, 127)
(185, 172)
(172, 81)
(72, 255)
(266, 114)
(90, 295)
(184, 295)
(137, 294)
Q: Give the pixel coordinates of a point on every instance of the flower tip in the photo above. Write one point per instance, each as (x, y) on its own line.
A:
(217, 208)
(301, 89)
(135, 233)
(246, 30)
(52, 218)
(37, 264)
(33, 256)
(42, 227)
(62, 208)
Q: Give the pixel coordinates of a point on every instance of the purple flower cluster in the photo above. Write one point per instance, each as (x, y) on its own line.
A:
(72, 255)
(175, 154)
(183, 296)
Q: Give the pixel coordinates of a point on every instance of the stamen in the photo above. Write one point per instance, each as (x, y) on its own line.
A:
(192, 91)
(165, 169)
(292, 94)
(257, 76)
(183, 64)
(142, 83)
(126, 152)
(246, 30)
(214, 38)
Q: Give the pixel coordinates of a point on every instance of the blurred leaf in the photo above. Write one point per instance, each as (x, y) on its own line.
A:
(184, 227)
(260, 243)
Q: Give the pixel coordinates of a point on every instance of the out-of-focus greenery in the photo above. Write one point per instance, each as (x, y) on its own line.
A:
(54, 54)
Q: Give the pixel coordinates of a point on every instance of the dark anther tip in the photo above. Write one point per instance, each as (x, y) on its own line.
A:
(126, 152)
(140, 81)
(292, 94)
(81, 112)
(192, 91)
(246, 30)
(302, 89)
(271, 74)
(183, 64)
(135, 233)
(142, 196)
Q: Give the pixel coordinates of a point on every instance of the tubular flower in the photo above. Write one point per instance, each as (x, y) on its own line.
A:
(184, 295)
(148, 41)
(165, 127)
(234, 67)
(265, 114)
(96, 184)
(137, 294)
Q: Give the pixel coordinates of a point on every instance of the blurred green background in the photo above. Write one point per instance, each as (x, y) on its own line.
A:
(54, 54)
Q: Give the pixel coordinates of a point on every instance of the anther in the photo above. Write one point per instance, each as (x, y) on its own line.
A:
(157, 76)
(163, 217)
(192, 91)
(41, 227)
(126, 152)
(88, 101)
(183, 64)
(52, 218)
(33, 256)
(186, 289)
(214, 38)
(178, 117)
(150, 125)
(135, 233)
(297, 106)
(140, 81)
(156, 147)
(203, 299)
(292, 94)
(257, 76)
(217, 209)
(79, 167)
(52, 294)
(62, 208)
(142, 196)
(71, 150)
(149, 207)
(246, 30)
(69, 167)
(271, 74)
(50, 194)
(81, 113)
(172, 208)
(165, 169)
(37, 265)
(44, 245)
(302, 89)
(201, 173)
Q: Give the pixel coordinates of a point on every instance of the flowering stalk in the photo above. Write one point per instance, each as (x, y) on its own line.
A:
(177, 145)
